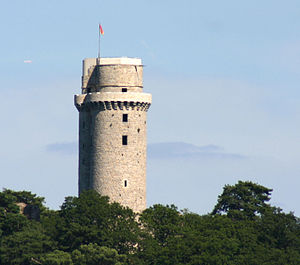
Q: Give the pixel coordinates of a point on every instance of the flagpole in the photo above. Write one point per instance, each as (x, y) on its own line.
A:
(98, 60)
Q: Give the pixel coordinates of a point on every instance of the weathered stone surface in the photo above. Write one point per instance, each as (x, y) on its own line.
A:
(105, 163)
(32, 212)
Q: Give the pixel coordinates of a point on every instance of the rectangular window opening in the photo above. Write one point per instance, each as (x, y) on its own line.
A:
(124, 140)
(125, 117)
(124, 89)
(125, 183)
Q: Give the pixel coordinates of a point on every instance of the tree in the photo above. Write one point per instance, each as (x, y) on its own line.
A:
(10, 198)
(92, 254)
(92, 219)
(280, 230)
(160, 225)
(11, 219)
(243, 200)
(56, 257)
(21, 247)
(161, 221)
(242, 229)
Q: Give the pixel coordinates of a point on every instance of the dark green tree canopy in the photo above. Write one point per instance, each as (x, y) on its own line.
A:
(242, 229)
(9, 197)
(243, 200)
(90, 218)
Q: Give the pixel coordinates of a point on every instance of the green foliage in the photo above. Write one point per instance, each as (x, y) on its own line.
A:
(11, 222)
(161, 221)
(56, 257)
(243, 200)
(280, 230)
(92, 254)
(22, 247)
(10, 218)
(92, 219)
(22, 196)
(9, 200)
(242, 229)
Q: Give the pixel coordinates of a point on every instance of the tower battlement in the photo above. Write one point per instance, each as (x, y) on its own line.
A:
(116, 100)
(112, 130)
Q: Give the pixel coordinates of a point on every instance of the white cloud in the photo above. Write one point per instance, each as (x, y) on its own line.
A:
(181, 150)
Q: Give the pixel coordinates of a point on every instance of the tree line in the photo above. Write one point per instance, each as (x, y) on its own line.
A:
(243, 228)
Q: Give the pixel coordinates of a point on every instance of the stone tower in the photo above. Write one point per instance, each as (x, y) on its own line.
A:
(112, 130)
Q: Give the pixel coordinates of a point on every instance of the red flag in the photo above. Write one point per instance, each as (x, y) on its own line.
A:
(101, 29)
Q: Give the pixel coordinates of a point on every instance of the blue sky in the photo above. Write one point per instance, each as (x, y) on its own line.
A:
(224, 76)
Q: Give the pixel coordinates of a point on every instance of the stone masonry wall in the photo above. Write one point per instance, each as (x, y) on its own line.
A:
(106, 164)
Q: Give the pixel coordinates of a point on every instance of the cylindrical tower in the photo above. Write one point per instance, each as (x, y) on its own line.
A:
(112, 130)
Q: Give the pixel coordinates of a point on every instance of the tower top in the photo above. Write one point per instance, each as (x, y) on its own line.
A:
(119, 60)
(90, 62)
(112, 72)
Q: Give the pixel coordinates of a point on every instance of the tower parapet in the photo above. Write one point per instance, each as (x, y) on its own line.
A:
(109, 74)
(112, 130)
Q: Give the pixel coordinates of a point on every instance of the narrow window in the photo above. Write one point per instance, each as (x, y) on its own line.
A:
(125, 117)
(125, 183)
(124, 89)
(124, 139)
